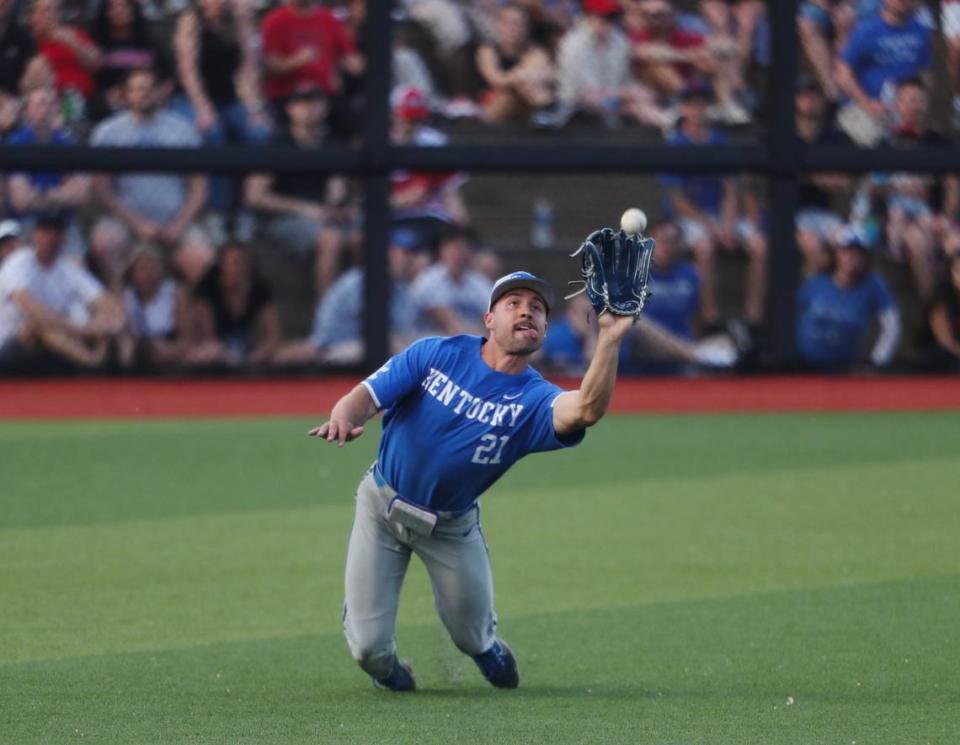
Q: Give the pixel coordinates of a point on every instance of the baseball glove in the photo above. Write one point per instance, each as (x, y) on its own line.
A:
(616, 271)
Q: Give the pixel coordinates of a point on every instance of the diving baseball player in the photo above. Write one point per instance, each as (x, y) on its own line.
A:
(458, 412)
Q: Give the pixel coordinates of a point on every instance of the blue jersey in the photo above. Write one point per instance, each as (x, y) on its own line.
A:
(878, 52)
(831, 320)
(674, 298)
(704, 190)
(453, 425)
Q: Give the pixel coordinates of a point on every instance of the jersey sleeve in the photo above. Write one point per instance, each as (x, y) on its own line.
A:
(401, 374)
(542, 434)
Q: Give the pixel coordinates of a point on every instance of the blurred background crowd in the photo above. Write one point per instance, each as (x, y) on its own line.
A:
(132, 271)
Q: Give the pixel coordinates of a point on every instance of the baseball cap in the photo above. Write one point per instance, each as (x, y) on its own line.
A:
(602, 7)
(53, 219)
(410, 103)
(405, 238)
(9, 229)
(854, 236)
(524, 280)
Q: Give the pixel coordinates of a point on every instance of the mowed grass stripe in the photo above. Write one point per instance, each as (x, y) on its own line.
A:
(76, 590)
(86, 472)
(866, 663)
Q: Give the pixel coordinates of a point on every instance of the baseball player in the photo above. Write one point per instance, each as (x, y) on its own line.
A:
(458, 412)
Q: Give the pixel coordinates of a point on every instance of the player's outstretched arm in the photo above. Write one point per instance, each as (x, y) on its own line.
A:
(347, 418)
(576, 410)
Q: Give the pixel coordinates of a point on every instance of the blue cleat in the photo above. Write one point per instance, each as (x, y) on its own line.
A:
(400, 678)
(498, 665)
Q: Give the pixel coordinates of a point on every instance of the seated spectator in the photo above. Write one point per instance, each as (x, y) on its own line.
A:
(821, 194)
(70, 53)
(218, 73)
(423, 200)
(304, 43)
(9, 238)
(302, 208)
(109, 254)
(922, 210)
(943, 318)
(519, 75)
(571, 340)
(156, 309)
(450, 298)
(30, 193)
(337, 335)
(121, 32)
(593, 72)
(708, 210)
(880, 53)
(836, 310)
(233, 315)
(52, 312)
(156, 207)
(823, 27)
(19, 50)
(670, 58)
(950, 23)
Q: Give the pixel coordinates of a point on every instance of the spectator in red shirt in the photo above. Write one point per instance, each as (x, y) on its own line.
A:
(304, 43)
(69, 51)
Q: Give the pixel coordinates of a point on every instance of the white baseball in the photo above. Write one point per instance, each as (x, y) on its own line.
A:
(634, 221)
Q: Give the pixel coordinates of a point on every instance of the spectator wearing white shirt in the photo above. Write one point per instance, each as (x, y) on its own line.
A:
(451, 297)
(156, 308)
(52, 310)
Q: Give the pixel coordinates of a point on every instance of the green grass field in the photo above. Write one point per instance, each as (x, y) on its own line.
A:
(696, 580)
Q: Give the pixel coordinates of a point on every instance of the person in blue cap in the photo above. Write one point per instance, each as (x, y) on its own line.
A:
(459, 411)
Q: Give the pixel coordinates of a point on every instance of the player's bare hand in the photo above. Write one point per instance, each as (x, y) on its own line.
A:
(339, 431)
(613, 325)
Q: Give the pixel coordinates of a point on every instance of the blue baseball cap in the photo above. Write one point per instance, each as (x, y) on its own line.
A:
(854, 236)
(405, 238)
(524, 280)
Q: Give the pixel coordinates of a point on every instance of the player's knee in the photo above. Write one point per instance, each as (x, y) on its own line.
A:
(373, 653)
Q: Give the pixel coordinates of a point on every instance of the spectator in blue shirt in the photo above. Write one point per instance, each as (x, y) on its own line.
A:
(881, 52)
(674, 284)
(836, 310)
(34, 192)
(708, 210)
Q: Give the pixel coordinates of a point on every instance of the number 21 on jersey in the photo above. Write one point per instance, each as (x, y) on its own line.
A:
(489, 450)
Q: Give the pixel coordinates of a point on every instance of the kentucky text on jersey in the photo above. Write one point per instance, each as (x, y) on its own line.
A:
(453, 425)
(446, 392)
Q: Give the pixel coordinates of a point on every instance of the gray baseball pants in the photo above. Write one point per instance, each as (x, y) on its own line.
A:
(458, 564)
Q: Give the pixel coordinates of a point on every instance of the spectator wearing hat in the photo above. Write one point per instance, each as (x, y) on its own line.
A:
(425, 201)
(156, 309)
(52, 311)
(156, 207)
(32, 192)
(337, 335)
(519, 74)
(669, 57)
(823, 196)
(451, 297)
(714, 213)
(593, 71)
(835, 310)
(308, 214)
(304, 42)
(9, 238)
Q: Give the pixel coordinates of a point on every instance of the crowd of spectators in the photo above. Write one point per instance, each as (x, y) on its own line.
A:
(168, 254)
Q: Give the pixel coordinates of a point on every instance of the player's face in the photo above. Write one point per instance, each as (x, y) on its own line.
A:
(518, 322)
